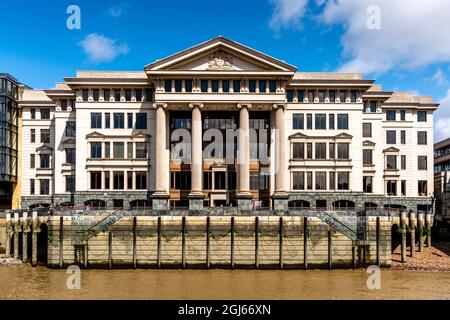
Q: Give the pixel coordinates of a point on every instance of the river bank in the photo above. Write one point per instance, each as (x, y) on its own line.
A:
(434, 259)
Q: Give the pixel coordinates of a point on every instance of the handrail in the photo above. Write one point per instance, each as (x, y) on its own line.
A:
(340, 222)
(98, 223)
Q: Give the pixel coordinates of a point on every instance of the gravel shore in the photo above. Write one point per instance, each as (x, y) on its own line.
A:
(434, 259)
(10, 262)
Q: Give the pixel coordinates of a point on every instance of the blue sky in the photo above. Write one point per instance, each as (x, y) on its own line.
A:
(407, 47)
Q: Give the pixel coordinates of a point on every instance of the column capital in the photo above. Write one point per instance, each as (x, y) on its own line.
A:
(159, 105)
(196, 105)
(279, 105)
(244, 105)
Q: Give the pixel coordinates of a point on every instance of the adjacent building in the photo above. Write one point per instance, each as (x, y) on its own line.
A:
(442, 179)
(223, 125)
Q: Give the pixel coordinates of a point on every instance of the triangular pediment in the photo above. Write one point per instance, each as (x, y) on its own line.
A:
(44, 148)
(141, 134)
(298, 135)
(343, 136)
(69, 141)
(368, 143)
(220, 54)
(95, 134)
(391, 149)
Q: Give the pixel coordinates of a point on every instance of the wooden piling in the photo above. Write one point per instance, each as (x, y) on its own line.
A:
(412, 228)
(110, 240)
(183, 242)
(256, 242)
(158, 256)
(330, 249)
(305, 242)
(8, 235)
(354, 253)
(61, 242)
(134, 242)
(421, 225)
(34, 230)
(16, 235)
(232, 242)
(208, 243)
(378, 240)
(281, 243)
(428, 228)
(403, 230)
(24, 237)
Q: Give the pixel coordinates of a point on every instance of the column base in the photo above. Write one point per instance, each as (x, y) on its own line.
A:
(280, 201)
(160, 201)
(196, 201)
(244, 201)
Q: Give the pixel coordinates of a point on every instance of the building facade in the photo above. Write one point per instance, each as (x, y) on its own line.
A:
(442, 179)
(220, 125)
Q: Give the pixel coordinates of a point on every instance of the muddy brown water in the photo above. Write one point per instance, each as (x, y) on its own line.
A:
(42, 283)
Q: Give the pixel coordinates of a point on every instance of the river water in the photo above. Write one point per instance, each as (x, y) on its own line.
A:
(41, 283)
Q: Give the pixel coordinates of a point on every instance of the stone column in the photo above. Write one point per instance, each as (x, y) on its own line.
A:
(196, 195)
(160, 197)
(280, 196)
(244, 196)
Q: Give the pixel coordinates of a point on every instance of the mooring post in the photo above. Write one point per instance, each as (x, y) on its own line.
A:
(8, 235)
(183, 241)
(134, 242)
(330, 249)
(403, 230)
(61, 242)
(305, 242)
(25, 231)
(428, 228)
(256, 242)
(208, 237)
(281, 243)
(412, 228)
(158, 256)
(232, 242)
(16, 235)
(34, 231)
(354, 253)
(378, 240)
(110, 239)
(421, 225)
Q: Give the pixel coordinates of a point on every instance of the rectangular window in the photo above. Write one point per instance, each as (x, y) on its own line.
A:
(236, 86)
(321, 151)
(33, 135)
(421, 116)
(107, 180)
(96, 150)
(321, 96)
(71, 128)
(403, 162)
(391, 115)
(321, 122)
(130, 120)
(215, 85)
(368, 184)
(32, 161)
(117, 95)
(33, 113)
(96, 120)
(96, 180)
(141, 150)
(107, 150)
(343, 151)
(141, 180)
(273, 86)
(119, 121)
(204, 85)
(70, 155)
(422, 163)
(422, 188)
(309, 180)
(219, 181)
(32, 186)
(402, 115)
(373, 106)
(298, 180)
(309, 121)
(70, 183)
(391, 187)
(178, 85)
(403, 186)
(96, 94)
(106, 95)
(85, 94)
(44, 187)
(391, 137)
(342, 120)
(300, 96)
(343, 181)
(332, 96)
(45, 135)
(188, 85)
(331, 121)
(354, 96)
(422, 138)
(118, 150)
(343, 96)
(290, 95)
(107, 120)
(130, 180)
(367, 157)
(331, 151)
(118, 177)
(168, 85)
(262, 86)
(403, 137)
(226, 86)
(64, 105)
(321, 181)
(311, 96)
(332, 180)
(252, 85)
(45, 114)
(149, 94)
(298, 151)
(298, 121)
(129, 150)
(141, 121)
(367, 130)
(309, 151)
(391, 162)
(138, 93)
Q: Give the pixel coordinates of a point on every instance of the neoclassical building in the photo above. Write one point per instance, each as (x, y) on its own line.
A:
(219, 125)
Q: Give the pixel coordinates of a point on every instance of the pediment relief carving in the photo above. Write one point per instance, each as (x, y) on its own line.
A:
(220, 61)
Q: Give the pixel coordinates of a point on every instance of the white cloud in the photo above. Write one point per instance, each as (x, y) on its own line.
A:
(99, 48)
(442, 119)
(413, 33)
(440, 78)
(287, 14)
(118, 10)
